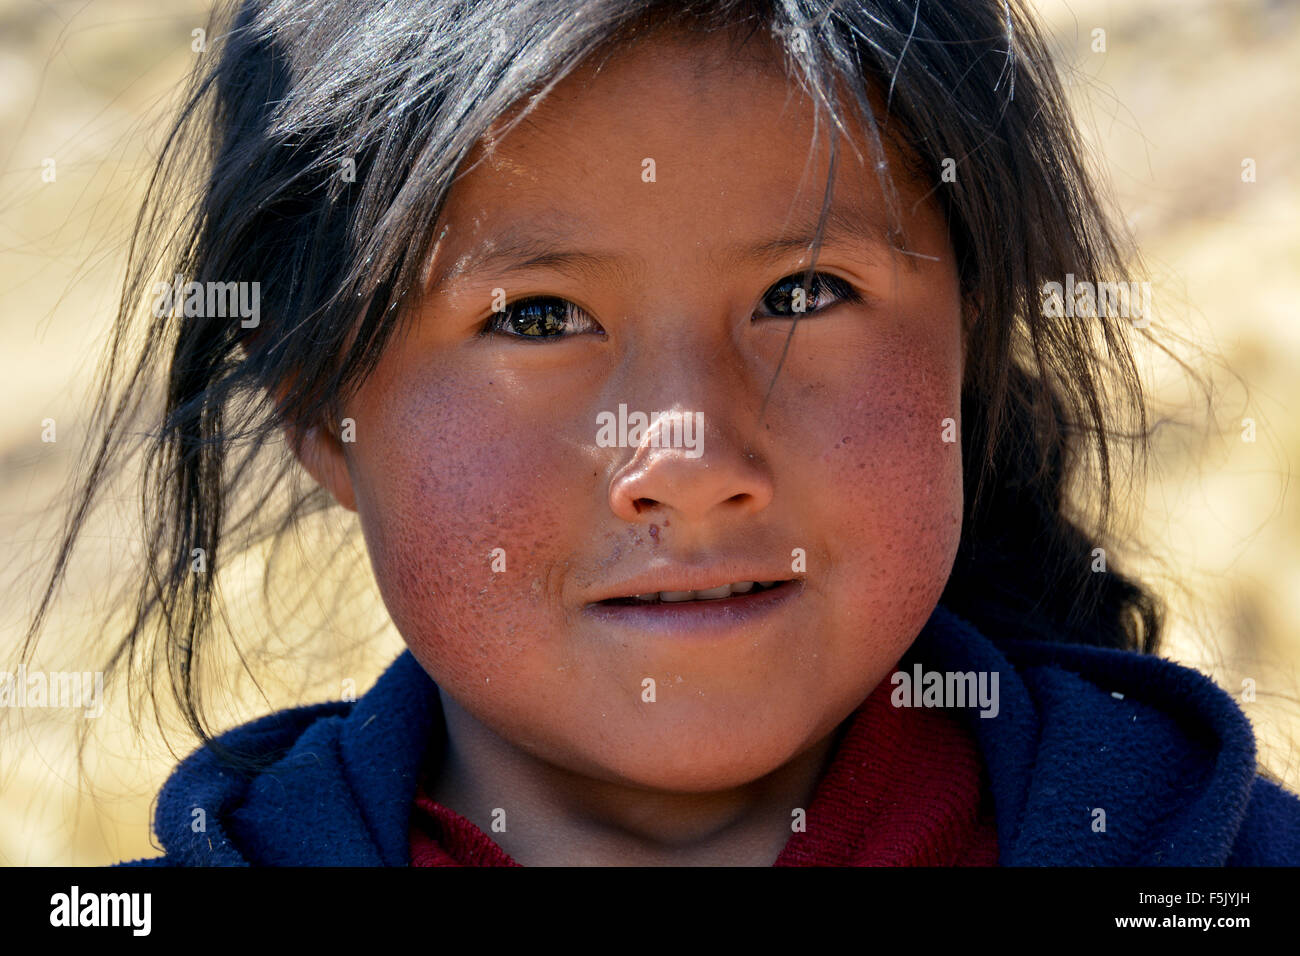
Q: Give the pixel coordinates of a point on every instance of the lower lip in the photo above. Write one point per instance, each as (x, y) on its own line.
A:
(717, 618)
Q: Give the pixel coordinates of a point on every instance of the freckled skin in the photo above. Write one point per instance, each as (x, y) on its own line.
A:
(467, 444)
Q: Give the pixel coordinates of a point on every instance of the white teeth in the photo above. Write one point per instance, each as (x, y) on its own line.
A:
(708, 594)
(712, 594)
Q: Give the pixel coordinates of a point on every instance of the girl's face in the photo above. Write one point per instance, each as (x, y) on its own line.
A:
(662, 200)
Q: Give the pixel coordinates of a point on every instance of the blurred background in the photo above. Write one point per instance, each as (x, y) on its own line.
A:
(1173, 98)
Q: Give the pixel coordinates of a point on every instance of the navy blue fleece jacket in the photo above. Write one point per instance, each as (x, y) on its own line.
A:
(1165, 752)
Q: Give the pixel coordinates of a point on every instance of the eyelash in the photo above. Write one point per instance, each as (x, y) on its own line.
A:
(821, 282)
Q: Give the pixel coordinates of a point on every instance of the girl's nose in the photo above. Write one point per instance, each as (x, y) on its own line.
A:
(716, 478)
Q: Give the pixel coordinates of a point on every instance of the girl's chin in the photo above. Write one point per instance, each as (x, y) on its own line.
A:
(694, 769)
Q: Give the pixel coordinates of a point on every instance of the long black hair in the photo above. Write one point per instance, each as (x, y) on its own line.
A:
(317, 143)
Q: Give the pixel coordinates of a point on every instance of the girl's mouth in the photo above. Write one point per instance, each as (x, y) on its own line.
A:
(698, 615)
(712, 594)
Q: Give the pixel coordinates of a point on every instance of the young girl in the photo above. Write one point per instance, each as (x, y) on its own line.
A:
(692, 372)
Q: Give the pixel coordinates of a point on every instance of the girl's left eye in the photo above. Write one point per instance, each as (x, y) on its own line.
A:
(790, 297)
(541, 317)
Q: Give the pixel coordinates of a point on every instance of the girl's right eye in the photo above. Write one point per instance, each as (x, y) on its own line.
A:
(541, 317)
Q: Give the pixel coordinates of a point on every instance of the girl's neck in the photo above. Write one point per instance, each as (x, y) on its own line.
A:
(554, 817)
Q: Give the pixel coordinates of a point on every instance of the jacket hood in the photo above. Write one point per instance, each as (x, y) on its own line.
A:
(1165, 755)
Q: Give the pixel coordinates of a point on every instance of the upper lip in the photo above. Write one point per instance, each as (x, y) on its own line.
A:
(689, 578)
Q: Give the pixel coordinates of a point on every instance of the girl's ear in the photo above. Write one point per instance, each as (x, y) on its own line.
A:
(321, 453)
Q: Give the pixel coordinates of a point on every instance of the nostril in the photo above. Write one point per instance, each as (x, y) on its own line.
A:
(640, 504)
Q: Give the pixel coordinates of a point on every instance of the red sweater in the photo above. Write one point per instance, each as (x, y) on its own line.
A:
(904, 787)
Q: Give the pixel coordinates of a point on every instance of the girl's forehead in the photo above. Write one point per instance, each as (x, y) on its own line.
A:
(657, 141)
(695, 91)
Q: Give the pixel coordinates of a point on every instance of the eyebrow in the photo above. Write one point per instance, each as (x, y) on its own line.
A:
(540, 244)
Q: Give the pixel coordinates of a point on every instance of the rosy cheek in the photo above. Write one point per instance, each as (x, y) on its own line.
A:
(463, 510)
(894, 484)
